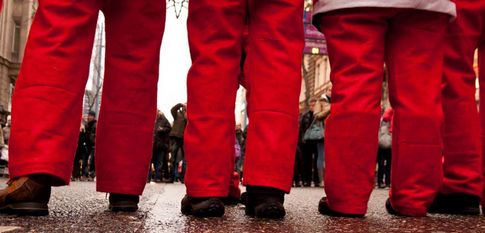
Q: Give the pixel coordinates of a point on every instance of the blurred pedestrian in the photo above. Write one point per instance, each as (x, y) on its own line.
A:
(384, 151)
(6, 130)
(179, 114)
(81, 152)
(361, 36)
(240, 149)
(322, 110)
(89, 168)
(160, 156)
(309, 147)
(48, 99)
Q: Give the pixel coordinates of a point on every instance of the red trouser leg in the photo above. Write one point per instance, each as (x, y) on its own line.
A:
(124, 136)
(414, 58)
(273, 77)
(481, 65)
(481, 60)
(355, 41)
(462, 148)
(47, 101)
(357, 77)
(215, 30)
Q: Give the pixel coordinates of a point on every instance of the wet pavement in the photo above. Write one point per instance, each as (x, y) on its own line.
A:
(79, 208)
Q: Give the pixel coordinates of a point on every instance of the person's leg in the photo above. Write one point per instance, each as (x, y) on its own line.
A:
(306, 172)
(77, 166)
(274, 51)
(47, 104)
(165, 167)
(273, 59)
(48, 96)
(92, 165)
(380, 166)
(85, 164)
(297, 173)
(157, 163)
(481, 65)
(315, 170)
(215, 30)
(355, 40)
(173, 158)
(320, 162)
(184, 163)
(387, 170)
(462, 149)
(124, 133)
(415, 95)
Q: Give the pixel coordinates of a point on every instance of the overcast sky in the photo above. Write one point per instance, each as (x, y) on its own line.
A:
(174, 63)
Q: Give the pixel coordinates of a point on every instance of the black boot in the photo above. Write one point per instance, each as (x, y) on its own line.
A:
(391, 209)
(456, 203)
(325, 210)
(202, 207)
(265, 202)
(123, 202)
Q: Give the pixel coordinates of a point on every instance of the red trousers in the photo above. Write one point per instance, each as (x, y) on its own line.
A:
(410, 43)
(273, 79)
(462, 146)
(48, 97)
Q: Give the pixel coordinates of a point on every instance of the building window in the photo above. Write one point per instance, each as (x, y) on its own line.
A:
(16, 41)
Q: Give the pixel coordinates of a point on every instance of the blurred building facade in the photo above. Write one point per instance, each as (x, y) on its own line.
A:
(15, 20)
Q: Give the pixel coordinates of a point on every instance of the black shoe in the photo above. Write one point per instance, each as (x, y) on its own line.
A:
(230, 200)
(168, 181)
(244, 198)
(202, 207)
(457, 203)
(325, 210)
(391, 209)
(123, 202)
(381, 186)
(307, 184)
(27, 195)
(265, 202)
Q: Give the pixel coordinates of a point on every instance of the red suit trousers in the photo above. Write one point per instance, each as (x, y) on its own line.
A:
(410, 43)
(462, 145)
(48, 97)
(272, 78)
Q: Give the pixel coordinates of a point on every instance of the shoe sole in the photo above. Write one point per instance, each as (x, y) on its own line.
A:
(214, 210)
(465, 211)
(323, 209)
(123, 208)
(269, 212)
(26, 209)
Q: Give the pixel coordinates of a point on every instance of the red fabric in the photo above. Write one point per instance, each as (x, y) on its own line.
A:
(48, 97)
(462, 145)
(389, 117)
(359, 41)
(1, 4)
(273, 79)
(234, 190)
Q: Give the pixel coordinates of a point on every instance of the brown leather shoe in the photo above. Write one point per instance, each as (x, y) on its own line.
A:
(25, 196)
